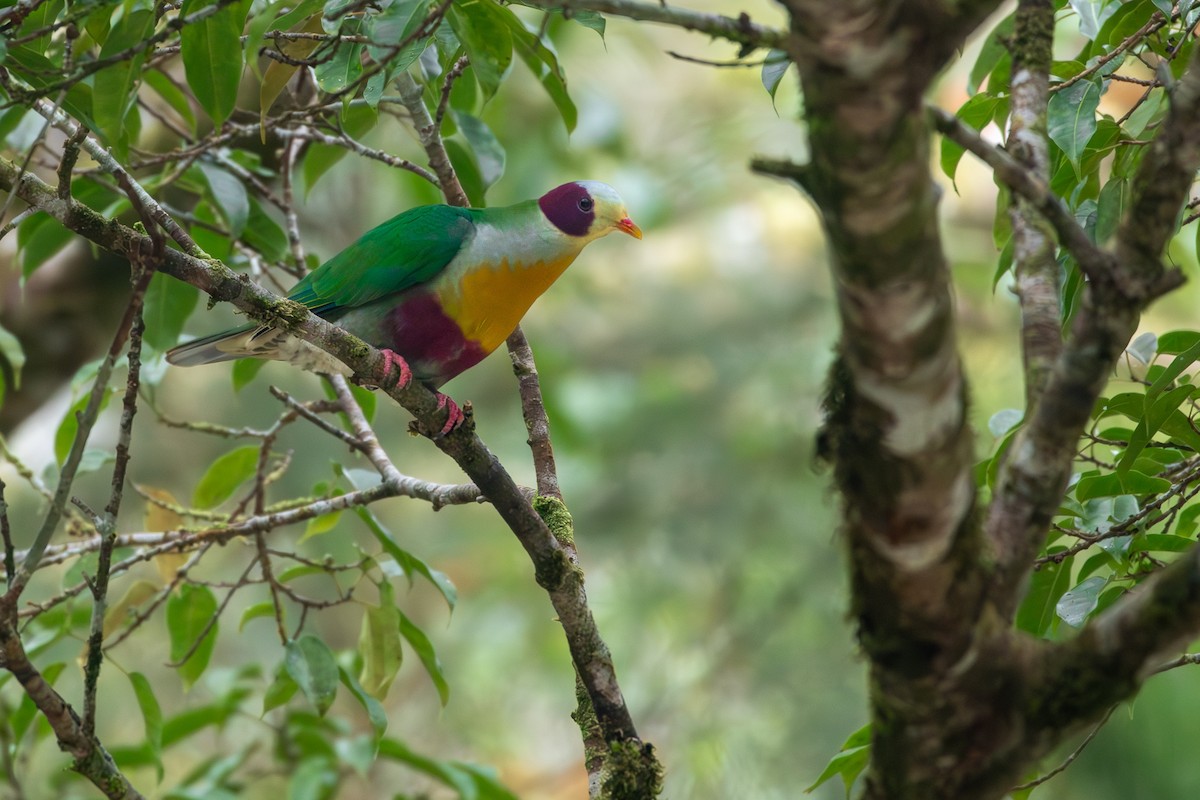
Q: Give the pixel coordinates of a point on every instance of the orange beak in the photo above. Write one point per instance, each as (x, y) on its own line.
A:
(627, 225)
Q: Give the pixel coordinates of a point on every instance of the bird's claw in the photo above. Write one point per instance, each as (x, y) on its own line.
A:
(392, 358)
(454, 415)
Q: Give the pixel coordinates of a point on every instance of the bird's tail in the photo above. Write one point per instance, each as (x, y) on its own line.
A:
(247, 341)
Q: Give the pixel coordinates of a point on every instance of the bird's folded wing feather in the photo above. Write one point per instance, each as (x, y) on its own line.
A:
(407, 250)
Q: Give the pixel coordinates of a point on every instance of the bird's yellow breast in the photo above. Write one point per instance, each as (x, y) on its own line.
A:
(490, 300)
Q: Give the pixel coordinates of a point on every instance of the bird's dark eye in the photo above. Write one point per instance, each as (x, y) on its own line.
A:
(585, 204)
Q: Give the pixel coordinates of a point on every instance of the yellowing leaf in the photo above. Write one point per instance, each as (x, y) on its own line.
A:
(159, 518)
(118, 613)
(379, 644)
(277, 74)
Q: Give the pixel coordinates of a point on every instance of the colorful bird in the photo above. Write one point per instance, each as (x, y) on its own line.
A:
(436, 288)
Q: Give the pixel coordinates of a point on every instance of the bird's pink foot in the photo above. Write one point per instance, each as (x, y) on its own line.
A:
(454, 414)
(393, 359)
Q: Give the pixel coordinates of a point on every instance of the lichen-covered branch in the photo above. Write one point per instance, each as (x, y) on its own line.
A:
(533, 409)
(1034, 262)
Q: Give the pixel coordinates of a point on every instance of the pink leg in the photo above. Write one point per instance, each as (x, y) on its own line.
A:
(454, 415)
(392, 358)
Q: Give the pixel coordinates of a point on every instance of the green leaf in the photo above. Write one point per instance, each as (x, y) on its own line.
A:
(212, 56)
(366, 399)
(152, 718)
(1123, 21)
(1115, 484)
(230, 196)
(392, 26)
(300, 571)
(467, 171)
(850, 761)
(64, 437)
(543, 63)
(592, 20)
(1046, 585)
(1146, 111)
(40, 72)
(447, 772)
(424, 649)
(486, 148)
(395, 24)
(375, 712)
(356, 121)
(1093, 14)
(1076, 605)
(314, 779)
(976, 113)
(13, 356)
(1071, 117)
(1189, 521)
(169, 303)
(340, 70)
(407, 561)
(1163, 543)
(224, 476)
(1175, 369)
(993, 51)
(40, 20)
(172, 94)
(279, 692)
(1172, 343)
(38, 238)
(321, 525)
(379, 644)
(256, 611)
(774, 67)
(264, 234)
(115, 86)
(1110, 208)
(484, 29)
(206, 230)
(190, 610)
(1159, 409)
(244, 371)
(311, 664)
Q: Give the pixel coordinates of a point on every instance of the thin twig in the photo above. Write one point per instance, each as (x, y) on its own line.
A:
(1069, 759)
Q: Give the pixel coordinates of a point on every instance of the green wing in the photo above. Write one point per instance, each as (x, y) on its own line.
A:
(407, 250)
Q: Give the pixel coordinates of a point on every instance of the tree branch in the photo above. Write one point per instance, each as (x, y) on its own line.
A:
(1119, 649)
(740, 30)
(1095, 262)
(1034, 263)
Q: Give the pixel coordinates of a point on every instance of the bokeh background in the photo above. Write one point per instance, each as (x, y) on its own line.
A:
(683, 378)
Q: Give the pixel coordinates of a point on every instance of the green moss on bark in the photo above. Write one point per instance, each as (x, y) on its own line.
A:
(557, 518)
(632, 772)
